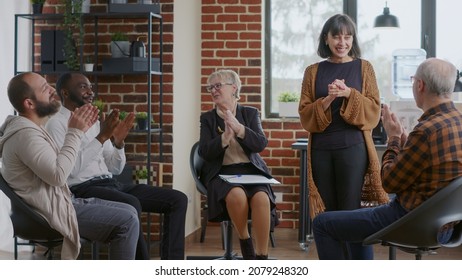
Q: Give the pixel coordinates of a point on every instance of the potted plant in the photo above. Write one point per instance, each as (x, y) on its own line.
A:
(37, 6)
(72, 24)
(88, 65)
(288, 104)
(142, 120)
(142, 175)
(100, 105)
(122, 115)
(120, 45)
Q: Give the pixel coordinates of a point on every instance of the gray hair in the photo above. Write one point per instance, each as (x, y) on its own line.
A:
(439, 76)
(227, 76)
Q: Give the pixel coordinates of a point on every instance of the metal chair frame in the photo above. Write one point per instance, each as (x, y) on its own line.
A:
(417, 231)
(196, 163)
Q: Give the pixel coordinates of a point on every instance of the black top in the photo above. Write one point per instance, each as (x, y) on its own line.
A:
(338, 134)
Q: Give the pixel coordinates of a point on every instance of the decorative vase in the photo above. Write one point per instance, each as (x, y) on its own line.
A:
(142, 124)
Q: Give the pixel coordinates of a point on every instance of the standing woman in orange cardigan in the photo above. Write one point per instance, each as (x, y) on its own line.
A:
(339, 106)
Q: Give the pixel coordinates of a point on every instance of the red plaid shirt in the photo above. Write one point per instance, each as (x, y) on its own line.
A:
(428, 161)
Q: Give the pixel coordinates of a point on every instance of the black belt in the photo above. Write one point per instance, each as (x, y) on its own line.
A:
(91, 181)
(102, 177)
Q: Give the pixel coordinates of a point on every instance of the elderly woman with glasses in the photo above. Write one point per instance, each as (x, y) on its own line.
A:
(231, 138)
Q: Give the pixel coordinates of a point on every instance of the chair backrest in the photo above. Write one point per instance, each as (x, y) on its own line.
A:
(27, 224)
(196, 162)
(419, 228)
(126, 177)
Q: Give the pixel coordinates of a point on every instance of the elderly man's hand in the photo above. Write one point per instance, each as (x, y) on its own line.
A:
(391, 123)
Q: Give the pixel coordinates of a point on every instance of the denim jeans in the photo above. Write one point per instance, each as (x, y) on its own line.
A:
(171, 203)
(109, 222)
(332, 230)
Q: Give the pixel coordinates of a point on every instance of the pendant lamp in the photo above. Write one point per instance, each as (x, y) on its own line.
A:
(386, 20)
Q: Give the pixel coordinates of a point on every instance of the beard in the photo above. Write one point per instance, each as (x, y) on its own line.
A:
(46, 110)
(76, 97)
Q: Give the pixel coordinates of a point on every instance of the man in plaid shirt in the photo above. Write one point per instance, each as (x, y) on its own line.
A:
(414, 166)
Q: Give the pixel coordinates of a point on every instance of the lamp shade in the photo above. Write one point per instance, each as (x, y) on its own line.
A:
(386, 20)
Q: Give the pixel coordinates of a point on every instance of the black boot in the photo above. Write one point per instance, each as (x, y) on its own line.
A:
(247, 250)
(261, 257)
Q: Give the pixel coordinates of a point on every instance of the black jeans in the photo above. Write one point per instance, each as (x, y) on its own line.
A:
(171, 203)
(339, 177)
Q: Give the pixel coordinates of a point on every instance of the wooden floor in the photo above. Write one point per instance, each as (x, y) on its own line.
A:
(286, 247)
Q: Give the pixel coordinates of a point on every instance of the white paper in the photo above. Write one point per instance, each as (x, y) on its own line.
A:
(249, 179)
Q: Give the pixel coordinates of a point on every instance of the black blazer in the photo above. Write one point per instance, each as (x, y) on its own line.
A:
(210, 147)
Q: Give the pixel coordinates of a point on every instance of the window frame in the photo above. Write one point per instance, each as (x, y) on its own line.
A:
(350, 7)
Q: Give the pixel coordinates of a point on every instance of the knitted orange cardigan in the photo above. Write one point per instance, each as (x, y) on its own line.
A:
(361, 110)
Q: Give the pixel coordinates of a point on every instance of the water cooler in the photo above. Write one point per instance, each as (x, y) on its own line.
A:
(405, 63)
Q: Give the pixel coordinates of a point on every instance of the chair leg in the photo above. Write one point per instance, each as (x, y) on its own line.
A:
(228, 240)
(273, 242)
(15, 248)
(49, 254)
(392, 253)
(204, 225)
(94, 250)
(223, 234)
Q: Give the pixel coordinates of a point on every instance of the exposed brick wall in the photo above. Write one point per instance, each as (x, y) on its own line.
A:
(128, 92)
(232, 33)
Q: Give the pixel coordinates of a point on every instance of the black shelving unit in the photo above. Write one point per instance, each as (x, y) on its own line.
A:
(94, 18)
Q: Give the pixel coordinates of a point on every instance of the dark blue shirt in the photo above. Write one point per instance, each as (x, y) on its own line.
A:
(338, 134)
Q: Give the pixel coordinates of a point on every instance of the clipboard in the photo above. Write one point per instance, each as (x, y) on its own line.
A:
(249, 179)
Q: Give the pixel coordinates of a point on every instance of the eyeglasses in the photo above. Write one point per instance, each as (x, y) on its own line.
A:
(216, 86)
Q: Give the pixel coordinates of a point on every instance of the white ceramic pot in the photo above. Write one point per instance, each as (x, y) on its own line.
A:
(288, 109)
(88, 67)
(86, 6)
(143, 181)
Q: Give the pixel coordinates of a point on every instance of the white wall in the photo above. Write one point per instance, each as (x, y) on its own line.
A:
(7, 12)
(186, 101)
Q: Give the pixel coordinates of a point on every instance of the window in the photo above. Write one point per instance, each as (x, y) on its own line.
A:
(447, 30)
(293, 27)
(379, 44)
